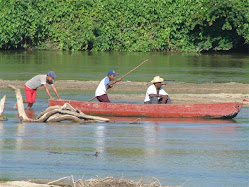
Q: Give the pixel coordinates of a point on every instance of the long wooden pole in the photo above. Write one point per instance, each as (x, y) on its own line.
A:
(133, 69)
(125, 75)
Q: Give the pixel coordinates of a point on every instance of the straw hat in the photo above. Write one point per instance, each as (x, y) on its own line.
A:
(157, 79)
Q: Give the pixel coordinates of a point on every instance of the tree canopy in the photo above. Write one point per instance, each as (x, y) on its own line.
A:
(125, 25)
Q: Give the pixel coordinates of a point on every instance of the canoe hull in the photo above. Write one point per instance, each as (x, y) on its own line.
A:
(200, 110)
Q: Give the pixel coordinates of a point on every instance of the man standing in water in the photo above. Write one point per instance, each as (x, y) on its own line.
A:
(155, 93)
(105, 84)
(37, 81)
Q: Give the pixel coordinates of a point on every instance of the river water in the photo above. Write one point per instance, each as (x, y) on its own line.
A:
(180, 67)
(184, 152)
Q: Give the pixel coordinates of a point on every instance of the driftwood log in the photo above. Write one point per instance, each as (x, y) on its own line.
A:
(55, 113)
(2, 102)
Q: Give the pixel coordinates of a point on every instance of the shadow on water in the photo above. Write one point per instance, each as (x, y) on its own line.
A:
(135, 120)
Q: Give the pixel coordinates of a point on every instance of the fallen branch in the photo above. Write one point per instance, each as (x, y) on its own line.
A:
(20, 106)
(135, 121)
(2, 102)
(47, 110)
(62, 117)
(55, 113)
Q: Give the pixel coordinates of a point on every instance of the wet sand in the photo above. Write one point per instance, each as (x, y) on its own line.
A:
(100, 182)
(23, 184)
(178, 91)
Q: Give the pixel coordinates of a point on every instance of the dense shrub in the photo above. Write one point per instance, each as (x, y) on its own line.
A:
(124, 25)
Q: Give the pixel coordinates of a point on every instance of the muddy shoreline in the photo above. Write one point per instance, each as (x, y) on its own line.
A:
(99, 182)
(179, 92)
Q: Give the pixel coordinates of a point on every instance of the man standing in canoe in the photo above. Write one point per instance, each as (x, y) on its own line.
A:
(155, 93)
(36, 82)
(105, 84)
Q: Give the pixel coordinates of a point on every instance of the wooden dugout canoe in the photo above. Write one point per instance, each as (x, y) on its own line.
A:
(201, 110)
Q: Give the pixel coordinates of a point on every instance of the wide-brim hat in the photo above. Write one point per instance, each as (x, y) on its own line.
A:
(157, 79)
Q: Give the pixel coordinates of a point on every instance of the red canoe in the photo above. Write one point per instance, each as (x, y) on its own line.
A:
(203, 110)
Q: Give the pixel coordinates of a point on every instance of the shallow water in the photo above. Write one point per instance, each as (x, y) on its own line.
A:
(174, 151)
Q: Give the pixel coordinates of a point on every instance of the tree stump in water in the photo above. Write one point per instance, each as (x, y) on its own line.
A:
(2, 102)
(55, 113)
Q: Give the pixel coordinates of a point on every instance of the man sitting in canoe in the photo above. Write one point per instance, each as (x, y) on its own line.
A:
(36, 82)
(155, 93)
(105, 84)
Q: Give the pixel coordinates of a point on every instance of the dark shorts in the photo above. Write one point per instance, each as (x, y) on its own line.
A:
(103, 98)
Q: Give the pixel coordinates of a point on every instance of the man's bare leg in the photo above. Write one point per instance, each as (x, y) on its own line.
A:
(16, 104)
(29, 106)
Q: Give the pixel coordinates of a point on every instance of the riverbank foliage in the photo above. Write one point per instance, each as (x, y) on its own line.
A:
(125, 25)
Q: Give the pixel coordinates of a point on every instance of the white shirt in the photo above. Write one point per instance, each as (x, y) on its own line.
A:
(103, 85)
(152, 90)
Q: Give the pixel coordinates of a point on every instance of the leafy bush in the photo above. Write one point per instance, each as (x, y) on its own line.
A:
(124, 25)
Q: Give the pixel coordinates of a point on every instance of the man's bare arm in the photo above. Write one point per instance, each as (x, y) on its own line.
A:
(46, 89)
(55, 91)
(158, 95)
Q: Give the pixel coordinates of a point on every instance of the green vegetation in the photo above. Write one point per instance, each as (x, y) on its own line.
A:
(125, 25)
(4, 179)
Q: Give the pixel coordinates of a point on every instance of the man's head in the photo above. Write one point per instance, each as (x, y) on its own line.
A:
(112, 74)
(51, 76)
(157, 81)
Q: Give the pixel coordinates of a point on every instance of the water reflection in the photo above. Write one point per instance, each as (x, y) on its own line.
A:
(100, 135)
(151, 137)
(30, 114)
(20, 134)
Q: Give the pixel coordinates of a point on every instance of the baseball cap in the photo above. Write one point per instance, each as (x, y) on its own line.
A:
(51, 74)
(112, 72)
